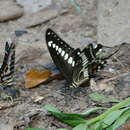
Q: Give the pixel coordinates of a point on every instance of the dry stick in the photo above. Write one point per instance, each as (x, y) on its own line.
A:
(119, 61)
(120, 75)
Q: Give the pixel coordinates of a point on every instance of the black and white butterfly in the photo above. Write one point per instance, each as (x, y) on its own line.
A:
(77, 66)
(7, 67)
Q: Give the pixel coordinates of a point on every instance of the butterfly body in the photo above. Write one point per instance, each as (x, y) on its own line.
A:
(75, 65)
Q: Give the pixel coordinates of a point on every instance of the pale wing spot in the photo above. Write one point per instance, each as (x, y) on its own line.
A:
(59, 50)
(49, 43)
(62, 53)
(78, 53)
(58, 39)
(53, 45)
(102, 62)
(66, 56)
(54, 35)
(95, 46)
(73, 63)
(70, 60)
(61, 42)
(48, 33)
(99, 67)
(100, 50)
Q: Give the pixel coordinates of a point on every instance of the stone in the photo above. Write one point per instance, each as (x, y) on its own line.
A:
(9, 11)
(40, 17)
(32, 6)
(113, 22)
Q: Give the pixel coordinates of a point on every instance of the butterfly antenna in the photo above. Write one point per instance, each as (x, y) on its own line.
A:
(112, 53)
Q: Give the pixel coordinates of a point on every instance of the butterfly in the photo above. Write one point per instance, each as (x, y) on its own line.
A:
(7, 67)
(77, 66)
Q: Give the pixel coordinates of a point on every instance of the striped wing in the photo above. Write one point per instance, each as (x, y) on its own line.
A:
(87, 63)
(7, 68)
(64, 56)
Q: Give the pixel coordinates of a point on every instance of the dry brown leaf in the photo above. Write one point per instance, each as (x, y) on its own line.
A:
(35, 77)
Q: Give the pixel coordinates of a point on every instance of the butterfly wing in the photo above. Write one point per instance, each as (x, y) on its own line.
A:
(12, 58)
(62, 54)
(7, 68)
(4, 66)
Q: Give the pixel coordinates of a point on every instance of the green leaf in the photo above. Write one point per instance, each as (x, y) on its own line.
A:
(97, 126)
(81, 127)
(112, 99)
(107, 118)
(51, 108)
(71, 118)
(124, 103)
(109, 128)
(113, 116)
(123, 118)
(62, 129)
(91, 110)
(102, 98)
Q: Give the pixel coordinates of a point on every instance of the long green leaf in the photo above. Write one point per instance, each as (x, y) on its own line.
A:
(81, 127)
(34, 129)
(102, 98)
(124, 103)
(123, 118)
(113, 116)
(62, 129)
(71, 118)
(91, 110)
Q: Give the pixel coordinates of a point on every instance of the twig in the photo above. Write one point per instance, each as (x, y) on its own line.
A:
(113, 78)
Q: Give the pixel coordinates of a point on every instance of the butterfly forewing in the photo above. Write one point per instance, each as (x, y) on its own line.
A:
(62, 54)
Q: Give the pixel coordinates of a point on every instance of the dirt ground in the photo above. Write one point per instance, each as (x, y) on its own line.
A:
(77, 29)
